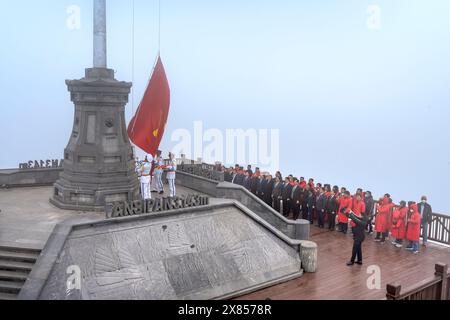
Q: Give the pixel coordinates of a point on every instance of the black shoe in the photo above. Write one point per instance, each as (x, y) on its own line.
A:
(350, 263)
(359, 262)
(161, 192)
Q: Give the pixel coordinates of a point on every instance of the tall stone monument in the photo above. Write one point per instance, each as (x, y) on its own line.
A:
(99, 165)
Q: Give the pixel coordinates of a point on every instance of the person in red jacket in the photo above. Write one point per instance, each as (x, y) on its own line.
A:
(382, 219)
(398, 229)
(358, 207)
(413, 228)
(358, 191)
(345, 202)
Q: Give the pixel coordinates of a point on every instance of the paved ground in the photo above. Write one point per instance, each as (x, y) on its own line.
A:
(27, 218)
(335, 280)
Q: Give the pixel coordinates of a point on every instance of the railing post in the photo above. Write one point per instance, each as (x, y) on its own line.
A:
(393, 291)
(441, 271)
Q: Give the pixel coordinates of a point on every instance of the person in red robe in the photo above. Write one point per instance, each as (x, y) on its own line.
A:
(358, 191)
(345, 202)
(413, 228)
(398, 230)
(358, 207)
(383, 218)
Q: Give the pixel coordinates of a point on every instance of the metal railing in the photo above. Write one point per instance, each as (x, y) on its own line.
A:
(439, 228)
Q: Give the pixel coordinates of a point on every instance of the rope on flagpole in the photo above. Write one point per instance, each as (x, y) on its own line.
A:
(159, 28)
(132, 62)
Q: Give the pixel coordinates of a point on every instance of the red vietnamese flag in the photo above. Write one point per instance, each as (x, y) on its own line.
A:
(146, 129)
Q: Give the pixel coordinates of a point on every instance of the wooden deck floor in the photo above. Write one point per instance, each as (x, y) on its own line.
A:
(335, 280)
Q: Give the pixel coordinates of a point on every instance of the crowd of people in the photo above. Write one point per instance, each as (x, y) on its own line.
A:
(335, 208)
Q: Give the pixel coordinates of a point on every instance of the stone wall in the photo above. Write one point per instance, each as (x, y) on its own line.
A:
(298, 229)
(215, 252)
(11, 178)
(197, 183)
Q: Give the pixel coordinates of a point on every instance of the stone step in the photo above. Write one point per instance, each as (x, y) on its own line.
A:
(20, 249)
(8, 296)
(13, 275)
(10, 287)
(15, 265)
(18, 256)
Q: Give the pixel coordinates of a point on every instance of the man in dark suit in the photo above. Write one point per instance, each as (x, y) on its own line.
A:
(286, 196)
(332, 208)
(369, 203)
(247, 181)
(239, 177)
(321, 205)
(249, 170)
(426, 214)
(255, 181)
(268, 189)
(262, 182)
(228, 175)
(311, 203)
(297, 199)
(276, 193)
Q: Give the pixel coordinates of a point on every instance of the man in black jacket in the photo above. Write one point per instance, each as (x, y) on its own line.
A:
(297, 200)
(247, 181)
(239, 178)
(228, 175)
(262, 182)
(321, 204)
(426, 216)
(358, 237)
(332, 209)
(311, 203)
(286, 196)
(268, 189)
(276, 193)
(369, 203)
(254, 181)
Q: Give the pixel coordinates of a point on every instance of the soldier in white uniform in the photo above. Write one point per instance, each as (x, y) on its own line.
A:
(146, 179)
(159, 169)
(171, 172)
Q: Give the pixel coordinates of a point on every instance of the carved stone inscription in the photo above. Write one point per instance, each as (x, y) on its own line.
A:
(199, 256)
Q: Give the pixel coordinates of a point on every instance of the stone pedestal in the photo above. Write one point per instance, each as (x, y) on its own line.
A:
(99, 165)
(308, 256)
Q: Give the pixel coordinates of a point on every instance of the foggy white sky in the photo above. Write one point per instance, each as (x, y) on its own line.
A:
(354, 106)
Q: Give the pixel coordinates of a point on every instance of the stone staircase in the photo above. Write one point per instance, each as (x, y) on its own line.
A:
(15, 266)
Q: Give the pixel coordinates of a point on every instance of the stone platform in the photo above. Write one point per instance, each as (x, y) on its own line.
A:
(27, 218)
(213, 252)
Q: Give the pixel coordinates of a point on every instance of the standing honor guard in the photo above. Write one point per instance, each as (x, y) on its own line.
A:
(159, 169)
(146, 167)
(153, 187)
(171, 172)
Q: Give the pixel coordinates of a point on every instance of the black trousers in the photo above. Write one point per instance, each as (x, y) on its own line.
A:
(343, 227)
(296, 210)
(286, 207)
(276, 205)
(320, 218)
(357, 251)
(304, 211)
(331, 221)
(383, 235)
(370, 226)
